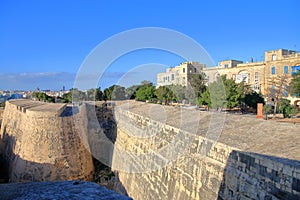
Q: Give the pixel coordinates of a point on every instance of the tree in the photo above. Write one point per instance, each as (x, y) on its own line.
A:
(204, 99)
(181, 92)
(145, 82)
(74, 95)
(286, 108)
(98, 94)
(252, 99)
(267, 110)
(77, 95)
(243, 90)
(165, 94)
(295, 84)
(197, 81)
(131, 91)
(41, 96)
(94, 94)
(118, 93)
(277, 89)
(107, 93)
(90, 94)
(233, 95)
(217, 94)
(67, 97)
(224, 93)
(145, 92)
(114, 92)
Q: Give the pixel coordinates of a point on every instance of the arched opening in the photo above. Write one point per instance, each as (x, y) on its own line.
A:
(297, 104)
(243, 76)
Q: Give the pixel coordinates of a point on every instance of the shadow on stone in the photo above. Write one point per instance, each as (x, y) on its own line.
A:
(15, 169)
(256, 176)
(102, 135)
(69, 111)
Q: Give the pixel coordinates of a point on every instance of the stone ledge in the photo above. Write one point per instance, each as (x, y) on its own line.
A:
(57, 190)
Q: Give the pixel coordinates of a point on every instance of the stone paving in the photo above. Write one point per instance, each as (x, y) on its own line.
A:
(37, 105)
(244, 132)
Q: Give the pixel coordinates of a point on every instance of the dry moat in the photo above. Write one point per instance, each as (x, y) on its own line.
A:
(149, 151)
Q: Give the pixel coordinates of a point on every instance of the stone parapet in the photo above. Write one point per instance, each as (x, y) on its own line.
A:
(204, 168)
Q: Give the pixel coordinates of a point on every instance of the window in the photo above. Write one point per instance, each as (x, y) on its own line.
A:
(295, 69)
(274, 56)
(256, 77)
(286, 69)
(256, 87)
(195, 70)
(172, 77)
(285, 93)
(183, 70)
(273, 70)
(226, 65)
(233, 76)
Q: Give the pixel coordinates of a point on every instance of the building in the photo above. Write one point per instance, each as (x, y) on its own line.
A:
(179, 75)
(260, 76)
(278, 64)
(251, 73)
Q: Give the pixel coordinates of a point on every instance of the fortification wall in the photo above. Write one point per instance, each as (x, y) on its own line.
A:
(154, 153)
(224, 172)
(39, 144)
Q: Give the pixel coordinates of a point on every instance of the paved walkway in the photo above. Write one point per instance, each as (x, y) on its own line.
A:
(244, 132)
(37, 105)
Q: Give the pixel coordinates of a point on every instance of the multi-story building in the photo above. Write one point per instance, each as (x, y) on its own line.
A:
(278, 64)
(251, 73)
(179, 75)
(259, 75)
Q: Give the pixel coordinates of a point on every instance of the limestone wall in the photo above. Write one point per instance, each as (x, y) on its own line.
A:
(156, 152)
(224, 172)
(39, 144)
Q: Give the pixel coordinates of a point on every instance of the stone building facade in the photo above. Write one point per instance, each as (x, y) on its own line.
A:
(179, 75)
(260, 76)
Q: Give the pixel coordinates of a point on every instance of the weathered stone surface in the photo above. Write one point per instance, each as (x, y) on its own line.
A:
(250, 159)
(39, 143)
(161, 152)
(59, 190)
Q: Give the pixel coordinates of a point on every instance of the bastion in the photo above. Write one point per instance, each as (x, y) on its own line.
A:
(39, 143)
(165, 152)
(155, 151)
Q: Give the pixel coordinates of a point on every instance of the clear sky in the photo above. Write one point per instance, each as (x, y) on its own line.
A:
(43, 43)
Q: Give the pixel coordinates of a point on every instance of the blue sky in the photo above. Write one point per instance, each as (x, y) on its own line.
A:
(44, 43)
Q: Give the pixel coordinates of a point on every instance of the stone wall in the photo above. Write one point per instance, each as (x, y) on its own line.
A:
(202, 170)
(58, 190)
(156, 152)
(40, 144)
